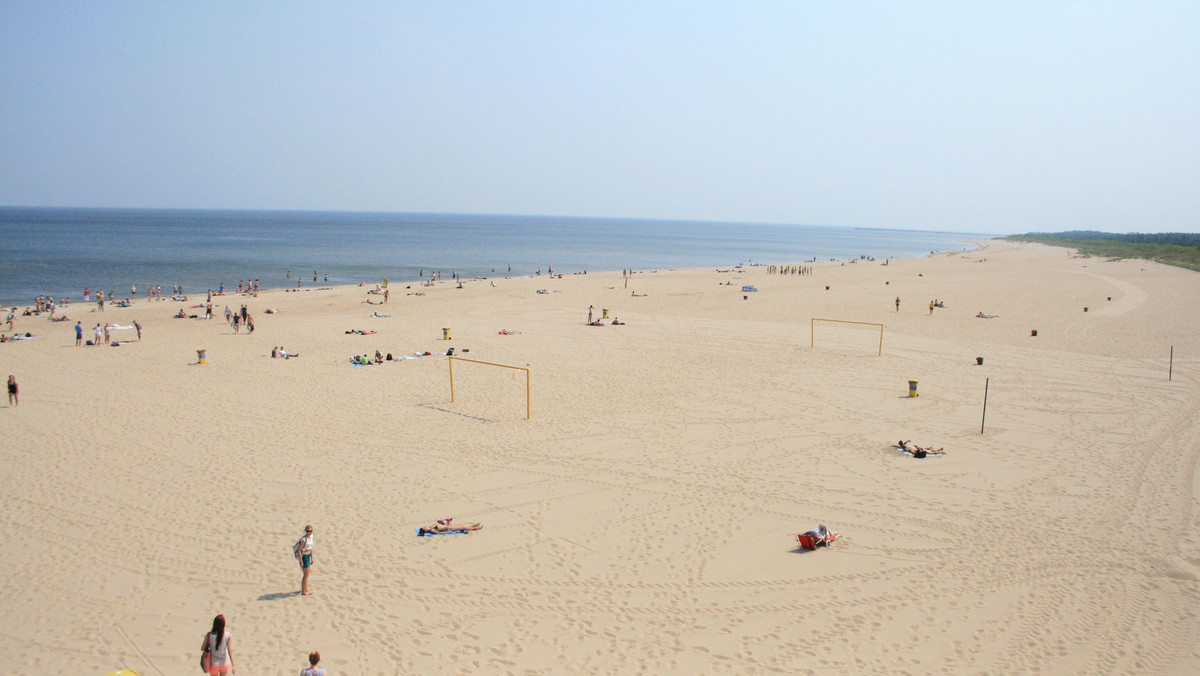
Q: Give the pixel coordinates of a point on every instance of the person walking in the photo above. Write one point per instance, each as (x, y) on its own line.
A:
(139, 329)
(13, 390)
(313, 670)
(303, 550)
(218, 647)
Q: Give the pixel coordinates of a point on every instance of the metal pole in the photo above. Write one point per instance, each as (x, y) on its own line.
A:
(452, 379)
(985, 392)
(1171, 367)
(528, 397)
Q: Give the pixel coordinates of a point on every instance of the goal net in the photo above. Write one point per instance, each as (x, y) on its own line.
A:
(858, 335)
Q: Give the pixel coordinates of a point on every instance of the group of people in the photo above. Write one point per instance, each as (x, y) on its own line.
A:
(280, 353)
(216, 656)
(102, 335)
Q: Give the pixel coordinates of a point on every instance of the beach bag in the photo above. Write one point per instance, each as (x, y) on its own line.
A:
(205, 660)
(919, 453)
(296, 548)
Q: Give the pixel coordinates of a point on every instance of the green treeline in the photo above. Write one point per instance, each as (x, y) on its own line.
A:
(1181, 249)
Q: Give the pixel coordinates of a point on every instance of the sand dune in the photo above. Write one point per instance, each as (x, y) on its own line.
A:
(643, 519)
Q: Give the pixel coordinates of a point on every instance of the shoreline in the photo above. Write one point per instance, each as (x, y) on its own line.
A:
(317, 285)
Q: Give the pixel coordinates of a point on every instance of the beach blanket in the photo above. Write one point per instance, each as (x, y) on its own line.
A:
(431, 534)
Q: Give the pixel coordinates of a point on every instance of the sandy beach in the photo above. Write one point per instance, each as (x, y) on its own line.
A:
(643, 519)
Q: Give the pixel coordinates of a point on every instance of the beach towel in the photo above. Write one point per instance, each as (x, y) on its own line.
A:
(431, 534)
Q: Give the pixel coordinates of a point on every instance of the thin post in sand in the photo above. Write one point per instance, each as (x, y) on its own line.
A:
(985, 391)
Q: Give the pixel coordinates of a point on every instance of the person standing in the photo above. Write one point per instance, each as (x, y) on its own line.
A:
(78, 334)
(217, 644)
(590, 314)
(897, 303)
(139, 329)
(13, 399)
(313, 670)
(96, 341)
(930, 307)
(303, 550)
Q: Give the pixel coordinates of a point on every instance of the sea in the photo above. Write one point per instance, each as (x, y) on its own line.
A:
(58, 252)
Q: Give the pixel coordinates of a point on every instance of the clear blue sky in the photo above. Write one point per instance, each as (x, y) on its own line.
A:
(993, 117)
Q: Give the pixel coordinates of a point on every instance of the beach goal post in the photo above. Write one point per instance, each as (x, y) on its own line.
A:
(813, 330)
(528, 396)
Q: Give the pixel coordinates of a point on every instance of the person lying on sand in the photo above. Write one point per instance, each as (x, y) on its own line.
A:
(821, 535)
(984, 315)
(448, 528)
(617, 322)
(913, 448)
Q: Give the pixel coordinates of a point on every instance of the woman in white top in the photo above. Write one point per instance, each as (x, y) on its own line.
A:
(304, 553)
(217, 645)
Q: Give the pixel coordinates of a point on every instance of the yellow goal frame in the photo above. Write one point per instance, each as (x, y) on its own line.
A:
(528, 396)
(812, 337)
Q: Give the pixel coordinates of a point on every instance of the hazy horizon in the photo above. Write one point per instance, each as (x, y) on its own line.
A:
(991, 119)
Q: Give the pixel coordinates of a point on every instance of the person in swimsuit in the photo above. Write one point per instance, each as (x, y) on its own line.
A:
(218, 644)
(304, 554)
(313, 670)
(447, 528)
(13, 399)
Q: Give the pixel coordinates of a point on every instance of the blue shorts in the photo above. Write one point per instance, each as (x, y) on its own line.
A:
(306, 561)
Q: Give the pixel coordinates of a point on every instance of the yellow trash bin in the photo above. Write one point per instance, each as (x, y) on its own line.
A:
(202, 355)
(912, 388)
(445, 334)
(605, 313)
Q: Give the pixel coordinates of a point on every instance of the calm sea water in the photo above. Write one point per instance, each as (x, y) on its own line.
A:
(58, 252)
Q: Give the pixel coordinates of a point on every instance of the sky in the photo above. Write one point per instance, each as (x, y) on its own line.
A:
(981, 117)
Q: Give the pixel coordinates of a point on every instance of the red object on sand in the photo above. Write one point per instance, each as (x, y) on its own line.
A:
(812, 541)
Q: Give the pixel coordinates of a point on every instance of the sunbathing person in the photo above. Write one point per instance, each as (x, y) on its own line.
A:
(447, 528)
(914, 449)
(984, 315)
(821, 535)
(617, 322)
